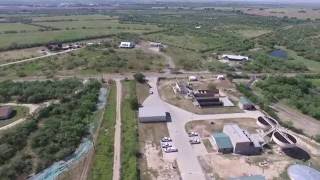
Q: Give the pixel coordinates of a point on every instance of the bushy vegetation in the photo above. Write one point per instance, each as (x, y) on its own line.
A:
(139, 77)
(92, 60)
(266, 64)
(260, 101)
(63, 125)
(296, 91)
(303, 39)
(103, 158)
(37, 91)
(129, 149)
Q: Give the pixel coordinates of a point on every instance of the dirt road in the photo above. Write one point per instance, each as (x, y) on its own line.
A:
(145, 46)
(309, 125)
(117, 135)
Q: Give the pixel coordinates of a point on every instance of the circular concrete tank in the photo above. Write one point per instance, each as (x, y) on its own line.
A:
(283, 139)
(266, 122)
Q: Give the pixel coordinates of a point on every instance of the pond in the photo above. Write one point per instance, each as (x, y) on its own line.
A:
(279, 53)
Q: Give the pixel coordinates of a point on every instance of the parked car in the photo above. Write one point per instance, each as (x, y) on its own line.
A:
(193, 134)
(170, 149)
(166, 139)
(150, 92)
(166, 145)
(195, 141)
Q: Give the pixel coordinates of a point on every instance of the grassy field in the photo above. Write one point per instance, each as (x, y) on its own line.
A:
(73, 17)
(315, 82)
(17, 27)
(129, 142)
(103, 158)
(300, 13)
(89, 61)
(313, 66)
(14, 55)
(19, 112)
(67, 28)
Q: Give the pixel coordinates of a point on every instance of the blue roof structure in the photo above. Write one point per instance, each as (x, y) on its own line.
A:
(222, 140)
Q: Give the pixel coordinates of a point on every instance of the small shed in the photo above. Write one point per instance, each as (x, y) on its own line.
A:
(193, 78)
(220, 77)
(246, 104)
(153, 114)
(223, 142)
(125, 44)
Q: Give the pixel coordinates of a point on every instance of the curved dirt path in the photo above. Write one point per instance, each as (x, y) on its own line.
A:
(32, 109)
(36, 58)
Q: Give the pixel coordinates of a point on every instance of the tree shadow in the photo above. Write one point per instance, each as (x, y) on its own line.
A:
(297, 153)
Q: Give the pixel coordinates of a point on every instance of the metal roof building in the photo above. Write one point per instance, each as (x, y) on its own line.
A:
(302, 172)
(235, 57)
(223, 142)
(153, 114)
(127, 45)
(242, 141)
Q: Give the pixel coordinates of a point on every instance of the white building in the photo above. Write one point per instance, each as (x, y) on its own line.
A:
(234, 57)
(193, 78)
(126, 45)
(220, 77)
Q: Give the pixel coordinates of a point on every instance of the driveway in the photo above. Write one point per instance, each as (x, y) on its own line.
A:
(186, 157)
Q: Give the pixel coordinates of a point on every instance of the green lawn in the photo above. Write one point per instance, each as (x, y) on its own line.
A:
(129, 142)
(17, 27)
(19, 112)
(103, 158)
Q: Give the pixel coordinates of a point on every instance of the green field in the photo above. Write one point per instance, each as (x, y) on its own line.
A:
(17, 27)
(129, 142)
(103, 158)
(72, 17)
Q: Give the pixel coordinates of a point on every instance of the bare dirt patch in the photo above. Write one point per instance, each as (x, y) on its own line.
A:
(205, 128)
(15, 55)
(167, 94)
(152, 163)
(309, 125)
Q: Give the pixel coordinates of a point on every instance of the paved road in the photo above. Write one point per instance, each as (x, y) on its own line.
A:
(117, 135)
(188, 163)
(35, 58)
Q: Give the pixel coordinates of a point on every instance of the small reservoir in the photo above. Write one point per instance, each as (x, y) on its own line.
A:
(279, 53)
